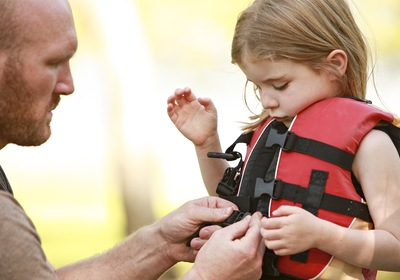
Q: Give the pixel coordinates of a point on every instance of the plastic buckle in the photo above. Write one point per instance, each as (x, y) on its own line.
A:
(275, 138)
(287, 141)
(235, 217)
(263, 187)
(230, 181)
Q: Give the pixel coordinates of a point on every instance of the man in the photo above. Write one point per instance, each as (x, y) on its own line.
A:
(37, 41)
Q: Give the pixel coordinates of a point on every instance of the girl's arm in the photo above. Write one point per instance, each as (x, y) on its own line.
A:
(212, 169)
(377, 167)
(196, 118)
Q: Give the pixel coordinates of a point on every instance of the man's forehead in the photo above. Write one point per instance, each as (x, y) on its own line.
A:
(45, 19)
(42, 12)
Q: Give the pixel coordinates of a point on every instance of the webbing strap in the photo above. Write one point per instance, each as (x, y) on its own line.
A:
(4, 184)
(289, 141)
(392, 131)
(244, 203)
(270, 265)
(312, 202)
(315, 191)
(230, 181)
(329, 202)
(243, 138)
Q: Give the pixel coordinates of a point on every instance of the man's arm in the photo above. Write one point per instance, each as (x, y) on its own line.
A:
(153, 249)
(140, 255)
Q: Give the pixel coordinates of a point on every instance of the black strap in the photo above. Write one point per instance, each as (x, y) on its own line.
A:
(4, 184)
(244, 203)
(260, 154)
(280, 277)
(243, 138)
(393, 132)
(315, 192)
(270, 265)
(289, 141)
(329, 202)
(264, 188)
(230, 181)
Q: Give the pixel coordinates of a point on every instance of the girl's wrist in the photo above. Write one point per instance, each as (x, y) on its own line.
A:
(210, 144)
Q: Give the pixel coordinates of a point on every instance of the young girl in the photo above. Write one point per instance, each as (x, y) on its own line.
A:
(316, 155)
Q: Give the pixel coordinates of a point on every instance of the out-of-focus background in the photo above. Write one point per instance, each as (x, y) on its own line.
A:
(115, 162)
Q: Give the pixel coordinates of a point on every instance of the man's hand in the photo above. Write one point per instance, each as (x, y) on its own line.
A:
(233, 252)
(177, 227)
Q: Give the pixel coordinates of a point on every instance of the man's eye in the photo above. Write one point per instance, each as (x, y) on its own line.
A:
(54, 64)
(282, 87)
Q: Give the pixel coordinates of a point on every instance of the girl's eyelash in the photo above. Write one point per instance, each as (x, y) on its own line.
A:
(282, 87)
(256, 88)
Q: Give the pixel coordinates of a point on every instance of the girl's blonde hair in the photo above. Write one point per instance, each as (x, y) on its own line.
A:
(304, 31)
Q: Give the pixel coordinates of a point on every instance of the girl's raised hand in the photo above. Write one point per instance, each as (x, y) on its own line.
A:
(195, 118)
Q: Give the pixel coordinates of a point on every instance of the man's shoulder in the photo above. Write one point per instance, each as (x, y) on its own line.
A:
(4, 184)
(8, 205)
(20, 245)
(12, 215)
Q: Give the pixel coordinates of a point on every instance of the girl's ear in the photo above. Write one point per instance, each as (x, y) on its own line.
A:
(338, 59)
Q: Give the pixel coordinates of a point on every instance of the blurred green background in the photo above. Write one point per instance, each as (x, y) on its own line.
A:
(115, 162)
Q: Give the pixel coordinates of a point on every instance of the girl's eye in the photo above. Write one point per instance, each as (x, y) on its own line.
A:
(282, 87)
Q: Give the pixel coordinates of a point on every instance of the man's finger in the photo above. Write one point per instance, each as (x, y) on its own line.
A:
(236, 230)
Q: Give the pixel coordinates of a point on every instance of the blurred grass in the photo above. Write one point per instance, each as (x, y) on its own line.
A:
(388, 276)
(74, 224)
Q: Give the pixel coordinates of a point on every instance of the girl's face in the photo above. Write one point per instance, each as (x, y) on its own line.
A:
(287, 87)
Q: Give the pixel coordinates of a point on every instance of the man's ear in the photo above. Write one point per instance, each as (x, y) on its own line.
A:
(338, 59)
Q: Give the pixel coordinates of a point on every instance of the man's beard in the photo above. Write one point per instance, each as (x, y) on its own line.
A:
(18, 124)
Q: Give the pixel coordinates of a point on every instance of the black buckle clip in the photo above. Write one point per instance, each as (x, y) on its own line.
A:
(276, 138)
(229, 182)
(263, 188)
(231, 179)
(235, 217)
(287, 141)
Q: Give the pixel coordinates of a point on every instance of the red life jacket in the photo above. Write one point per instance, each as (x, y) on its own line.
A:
(309, 166)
